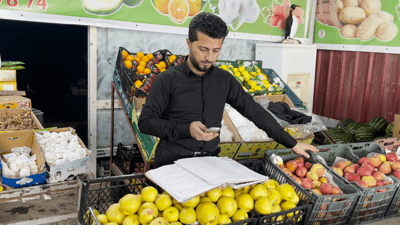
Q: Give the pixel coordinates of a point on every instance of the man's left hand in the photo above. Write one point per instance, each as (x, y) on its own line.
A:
(300, 149)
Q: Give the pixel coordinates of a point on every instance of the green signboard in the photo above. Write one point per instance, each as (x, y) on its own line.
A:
(357, 22)
(262, 17)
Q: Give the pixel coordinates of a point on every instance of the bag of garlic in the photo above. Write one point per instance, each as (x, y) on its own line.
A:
(65, 154)
(22, 163)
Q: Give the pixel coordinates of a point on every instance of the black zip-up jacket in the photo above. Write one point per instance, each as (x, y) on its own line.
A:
(179, 97)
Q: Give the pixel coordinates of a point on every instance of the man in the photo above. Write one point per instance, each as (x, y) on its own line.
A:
(187, 99)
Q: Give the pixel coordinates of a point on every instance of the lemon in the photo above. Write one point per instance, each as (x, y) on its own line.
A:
(241, 79)
(171, 214)
(258, 191)
(174, 201)
(239, 216)
(129, 204)
(228, 192)
(159, 221)
(192, 203)
(214, 194)
(178, 206)
(235, 70)
(131, 220)
(241, 69)
(276, 209)
(148, 205)
(187, 216)
(275, 197)
(224, 219)
(227, 205)
(286, 205)
(237, 193)
(175, 223)
(286, 191)
(111, 223)
(246, 190)
(163, 201)
(102, 219)
(263, 205)
(149, 194)
(166, 193)
(89, 215)
(207, 213)
(245, 202)
(296, 199)
(224, 67)
(114, 214)
(147, 215)
(238, 74)
(205, 199)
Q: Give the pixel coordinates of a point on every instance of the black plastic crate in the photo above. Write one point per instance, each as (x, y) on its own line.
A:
(101, 193)
(296, 216)
(325, 209)
(394, 207)
(373, 204)
(129, 159)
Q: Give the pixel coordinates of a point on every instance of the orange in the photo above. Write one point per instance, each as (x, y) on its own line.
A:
(162, 64)
(124, 54)
(143, 63)
(144, 58)
(163, 70)
(138, 84)
(130, 58)
(140, 68)
(172, 58)
(162, 6)
(128, 64)
(194, 6)
(178, 10)
(139, 55)
(150, 56)
(146, 71)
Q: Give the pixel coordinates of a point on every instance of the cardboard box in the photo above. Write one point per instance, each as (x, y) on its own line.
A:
(12, 111)
(8, 85)
(276, 98)
(8, 75)
(147, 143)
(15, 101)
(15, 139)
(68, 170)
(396, 128)
(229, 149)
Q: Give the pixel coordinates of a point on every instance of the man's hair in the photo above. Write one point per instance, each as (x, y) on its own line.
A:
(208, 24)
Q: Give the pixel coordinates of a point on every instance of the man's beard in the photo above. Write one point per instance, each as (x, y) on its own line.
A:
(197, 65)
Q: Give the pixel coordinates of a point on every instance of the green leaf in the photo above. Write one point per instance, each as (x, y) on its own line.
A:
(274, 3)
(216, 10)
(203, 3)
(214, 2)
(265, 12)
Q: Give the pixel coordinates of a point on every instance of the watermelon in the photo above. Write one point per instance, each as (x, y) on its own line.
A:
(365, 133)
(379, 124)
(339, 138)
(378, 138)
(344, 123)
(350, 130)
(389, 130)
(334, 131)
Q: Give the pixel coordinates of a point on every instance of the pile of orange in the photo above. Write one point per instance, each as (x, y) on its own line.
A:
(178, 10)
(141, 61)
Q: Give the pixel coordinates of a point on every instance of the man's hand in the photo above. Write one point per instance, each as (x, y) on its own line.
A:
(300, 149)
(197, 130)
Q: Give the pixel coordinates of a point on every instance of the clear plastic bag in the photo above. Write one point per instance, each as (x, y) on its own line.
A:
(251, 133)
(225, 134)
(298, 132)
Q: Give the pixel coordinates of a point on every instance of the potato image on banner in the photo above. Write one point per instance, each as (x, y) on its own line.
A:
(386, 17)
(352, 15)
(386, 31)
(348, 31)
(350, 3)
(366, 30)
(371, 7)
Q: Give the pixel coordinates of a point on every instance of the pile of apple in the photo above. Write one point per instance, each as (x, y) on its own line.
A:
(370, 172)
(310, 176)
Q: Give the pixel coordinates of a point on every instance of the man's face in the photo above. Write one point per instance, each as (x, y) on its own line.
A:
(204, 52)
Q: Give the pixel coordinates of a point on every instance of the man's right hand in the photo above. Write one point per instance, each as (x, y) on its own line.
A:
(197, 130)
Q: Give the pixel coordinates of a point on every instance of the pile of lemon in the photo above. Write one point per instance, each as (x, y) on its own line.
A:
(218, 206)
(256, 80)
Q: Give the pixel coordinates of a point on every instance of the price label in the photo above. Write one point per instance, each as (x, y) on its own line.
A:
(15, 3)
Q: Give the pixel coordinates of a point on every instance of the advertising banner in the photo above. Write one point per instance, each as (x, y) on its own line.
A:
(364, 23)
(260, 17)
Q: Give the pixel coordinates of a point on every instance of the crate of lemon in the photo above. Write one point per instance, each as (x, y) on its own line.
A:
(136, 203)
(253, 80)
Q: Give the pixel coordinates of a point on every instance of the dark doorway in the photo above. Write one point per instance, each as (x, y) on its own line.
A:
(55, 78)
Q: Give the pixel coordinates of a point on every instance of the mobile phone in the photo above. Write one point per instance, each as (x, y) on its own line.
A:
(213, 130)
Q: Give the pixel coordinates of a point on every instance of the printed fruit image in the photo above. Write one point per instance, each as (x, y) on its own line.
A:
(195, 6)
(107, 7)
(179, 10)
(162, 6)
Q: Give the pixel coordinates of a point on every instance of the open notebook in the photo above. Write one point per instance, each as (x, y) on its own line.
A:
(190, 177)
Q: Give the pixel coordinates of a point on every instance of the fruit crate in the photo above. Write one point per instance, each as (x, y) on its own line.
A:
(219, 63)
(295, 216)
(394, 207)
(129, 159)
(373, 203)
(326, 209)
(101, 193)
(271, 74)
(126, 102)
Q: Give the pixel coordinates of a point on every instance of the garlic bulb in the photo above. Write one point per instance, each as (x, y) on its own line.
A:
(24, 172)
(32, 163)
(26, 154)
(46, 134)
(11, 159)
(54, 135)
(50, 157)
(17, 154)
(34, 171)
(14, 167)
(19, 163)
(25, 164)
(33, 167)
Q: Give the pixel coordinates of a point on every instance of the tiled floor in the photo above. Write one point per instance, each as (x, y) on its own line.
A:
(391, 221)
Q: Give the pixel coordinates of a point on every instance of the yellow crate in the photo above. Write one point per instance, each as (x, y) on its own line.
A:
(229, 149)
(8, 86)
(249, 150)
(306, 140)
